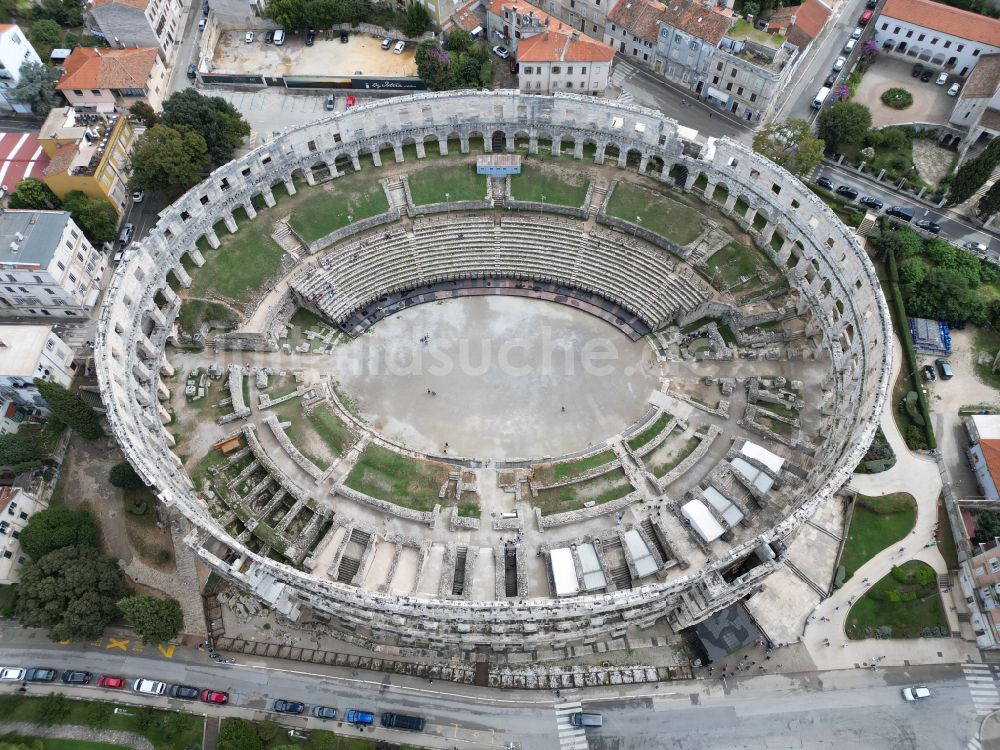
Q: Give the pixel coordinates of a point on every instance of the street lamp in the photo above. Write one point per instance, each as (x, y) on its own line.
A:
(447, 200)
(350, 218)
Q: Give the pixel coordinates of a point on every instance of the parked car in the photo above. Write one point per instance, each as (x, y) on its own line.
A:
(903, 213)
(856, 34)
(916, 693)
(839, 64)
(352, 100)
(849, 46)
(976, 247)
(917, 69)
(149, 687)
(400, 46)
(324, 712)
(402, 721)
(866, 17)
(929, 226)
(871, 202)
(871, 4)
(126, 234)
(343, 37)
(269, 37)
(138, 196)
(847, 192)
(249, 37)
(362, 718)
(205, 8)
(927, 75)
(584, 719)
(192, 71)
(387, 42)
(502, 52)
(214, 696)
(111, 681)
(11, 674)
(944, 368)
(119, 256)
(310, 37)
(202, 23)
(184, 692)
(288, 707)
(942, 79)
(279, 37)
(74, 677)
(929, 373)
(824, 182)
(331, 103)
(954, 89)
(40, 674)
(830, 80)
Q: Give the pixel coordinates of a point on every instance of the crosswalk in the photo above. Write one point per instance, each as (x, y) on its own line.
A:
(982, 687)
(621, 73)
(570, 737)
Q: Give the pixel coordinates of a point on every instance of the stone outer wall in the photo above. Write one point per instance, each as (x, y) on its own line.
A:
(814, 247)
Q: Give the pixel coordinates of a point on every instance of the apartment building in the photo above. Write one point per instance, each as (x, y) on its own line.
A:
(140, 23)
(15, 51)
(16, 508)
(113, 79)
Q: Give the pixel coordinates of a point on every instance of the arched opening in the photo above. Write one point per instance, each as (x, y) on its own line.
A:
(498, 141)
(521, 141)
(320, 171)
(611, 153)
(655, 166)
(344, 164)
(633, 158)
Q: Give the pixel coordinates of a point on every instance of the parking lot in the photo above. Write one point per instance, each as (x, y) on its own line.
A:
(271, 110)
(931, 102)
(361, 55)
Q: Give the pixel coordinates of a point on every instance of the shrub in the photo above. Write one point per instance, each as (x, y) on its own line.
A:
(897, 98)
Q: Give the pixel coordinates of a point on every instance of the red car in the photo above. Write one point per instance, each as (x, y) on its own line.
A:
(865, 17)
(109, 681)
(351, 100)
(214, 696)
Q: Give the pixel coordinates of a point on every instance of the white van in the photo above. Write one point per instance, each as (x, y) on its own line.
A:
(400, 46)
(279, 37)
(821, 96)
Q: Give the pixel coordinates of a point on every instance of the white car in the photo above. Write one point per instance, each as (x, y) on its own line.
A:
(976, 247)
(916, 693)
(942, 79)
(502, 52)
(138, 196)
(249, 37)
(11, 674)
(856, 34)
(149, 687)
(954, 89)
(839, 64)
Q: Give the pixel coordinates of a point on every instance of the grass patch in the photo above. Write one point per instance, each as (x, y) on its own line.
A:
(240, 267)
(601, 489)
(733, 262)
(552, 473)
(535, 182)
(297, 431)
(658, 213)
(337, 436)
(877, 523)
(986, 340)
(391, 476)
(469, 509)
(460, 181)
(650, 432)
(663, 467)
(56, 744)
(8, 597)
(326, 210)
(200, 473)
(165, 729)
(904, 604)
(195, 312)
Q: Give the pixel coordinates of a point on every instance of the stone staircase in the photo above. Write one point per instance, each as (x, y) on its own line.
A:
(597, 198)
(395, 191)
(284, 236)
(458, 582)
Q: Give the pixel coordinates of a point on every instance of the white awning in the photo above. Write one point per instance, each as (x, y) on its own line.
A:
(564, 572)
(702, 520)
(722, 96)
(593, 575)
(759, 453)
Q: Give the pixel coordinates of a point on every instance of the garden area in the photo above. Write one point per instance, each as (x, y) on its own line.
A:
(240, 734)
(543, 474)
(669, 455)
(327, 208)
(434, 185)
(877, 523)
(600, 489)
(391, 476)
(537, 183)
(656, 212)
(649, 433)
(904, 604)
(736, 261)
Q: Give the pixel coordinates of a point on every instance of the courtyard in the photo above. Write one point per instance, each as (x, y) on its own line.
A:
(931, 103)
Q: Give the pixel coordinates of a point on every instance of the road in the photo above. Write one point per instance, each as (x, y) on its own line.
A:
(848, 708)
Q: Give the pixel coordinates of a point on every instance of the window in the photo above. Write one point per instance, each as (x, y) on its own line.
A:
(7, 554)
(569, 70)
(58, 263)
(556, 69)
(739, 91)
(715, 79)
(528, 70)
(569, 84)
(95, 92)
(78, 92)
(934, 40)
(729, 87)
(895, 30)
(732, 73)
(960, 47)
(885, 26)
(947, 44)
(909, 34)
(753, 97)
(921, 37)
(23, 516)
(975, 53)
(583, 70)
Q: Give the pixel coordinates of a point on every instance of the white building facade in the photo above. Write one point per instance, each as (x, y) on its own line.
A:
(28, 352)
(15, 51)
(48, 268)
(16, 508)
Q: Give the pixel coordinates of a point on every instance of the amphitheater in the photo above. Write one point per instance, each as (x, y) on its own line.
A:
(752, 361)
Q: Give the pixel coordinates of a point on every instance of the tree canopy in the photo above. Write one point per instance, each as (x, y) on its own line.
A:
(57, 527)
(465, 66)
(790, 144)
(155, 620)
(18, 449)
(33, 193)
(123, 475)
(215, 119)
(418, 20)
(971, 175)
(844, 122)
(37, 87)
(987, 526)
(73, 592)
(145, 113)
(168, 160)
(96, 217)
(318, 14)
(70, 409)
(239, 734)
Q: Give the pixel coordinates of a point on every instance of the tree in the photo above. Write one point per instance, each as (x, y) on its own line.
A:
(155, 620)
(912, 271)
(21, 744)
(55, 528)
(458, 41)
(844, 122)
(45, 34)
(791, 145)
(70, 409)
(97, 218)
(147, 116)
(239, 734)
(33, 193)
(989, 204)
(434, 66)
(123, 476)
(37, 87)
(168, 160)
(869, 51)
(971, 175)
(418, 20)
(73, 592)
(987, 526)
(219, 123)
(18, 449)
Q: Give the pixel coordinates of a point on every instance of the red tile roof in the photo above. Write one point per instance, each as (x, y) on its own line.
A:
(563, 46)
(694, 19)
(466, 17)
(991, 452)
(954, 21)
(520, 7)
(640, 17)
(138, 4)
(802, 22)
(21, 156)
(93, 68)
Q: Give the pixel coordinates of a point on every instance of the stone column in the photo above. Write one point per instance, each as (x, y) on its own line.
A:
(213, 238)
(163, 413)
(148, 419)
(556, 146)
(268, 197)
(464, 143)
(356, 162)
(644, 162)
(289, 185)
(509, 143)
(731, 203)
(622, 158)
(768, 232)
(162, 391)
(784, 253)
(182, 276)
(310, 177)
(158, 317)
(376, 157)
(397, 149)
(709, 188)
(231, 222)
(533, 144)
(166, 368)
(487, 144)
(443, 146)
(146, 345)
(195, 255)
(142, 396)
(599, 156)
(169, 295)
(421, 151)
(251, 211)
(144, 372)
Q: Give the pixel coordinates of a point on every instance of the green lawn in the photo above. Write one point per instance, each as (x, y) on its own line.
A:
(165, 729)
(877, 523)
(733, 262)
(276, 735)
(194, 312)
(326, 209)
(391, 476)
(552, 473)
(650, 432)
(658, 213)
(661, 469)
(601, 489)
(332, 429)
(51, 744)
(902, 602)
(986, 340)
(535, 182)
(240, 267)
(200, 473)
(460, 181)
